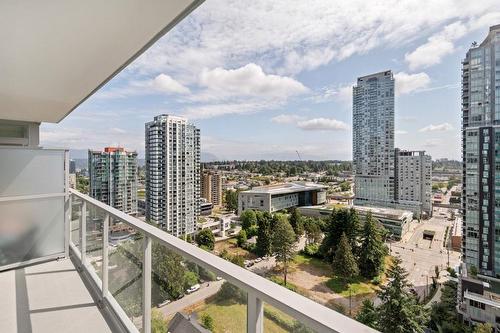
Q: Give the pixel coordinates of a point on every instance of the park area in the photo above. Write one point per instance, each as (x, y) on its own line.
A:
(315, 279)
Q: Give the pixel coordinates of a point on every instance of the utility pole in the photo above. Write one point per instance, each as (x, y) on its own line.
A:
(350, 301)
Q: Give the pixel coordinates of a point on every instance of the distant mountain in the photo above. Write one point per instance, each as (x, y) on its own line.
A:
(208, 157)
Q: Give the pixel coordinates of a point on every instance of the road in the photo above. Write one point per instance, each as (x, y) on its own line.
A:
(269, 263)
(191, 299)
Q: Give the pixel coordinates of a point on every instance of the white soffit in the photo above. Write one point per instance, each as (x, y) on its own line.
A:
(54, 54)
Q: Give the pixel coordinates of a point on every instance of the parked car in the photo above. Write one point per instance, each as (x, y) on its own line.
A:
(164, 303)
(218, 278)
(257, 260)
(193, 289)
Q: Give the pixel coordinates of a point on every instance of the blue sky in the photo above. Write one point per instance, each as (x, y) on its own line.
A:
(263, 79)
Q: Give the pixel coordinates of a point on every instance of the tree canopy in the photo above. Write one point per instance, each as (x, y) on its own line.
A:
(283, 242)
(206, 238)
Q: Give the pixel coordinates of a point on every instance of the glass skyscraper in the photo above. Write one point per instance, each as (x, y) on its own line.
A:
(173, 174)
(373, 139)
(481, 154)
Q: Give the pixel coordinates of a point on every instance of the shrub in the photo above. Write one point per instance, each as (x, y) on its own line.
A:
(208, 322)
(376, 280)
(312, 250)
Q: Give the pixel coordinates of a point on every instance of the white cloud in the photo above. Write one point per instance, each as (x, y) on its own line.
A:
(305, 36)
(442, 44)
(322, 124)
(432, 143)
(166, 83)
(408, 83)
(340, 93)
(287, 119)
(437, 128)
(250, 80)
(400, 132)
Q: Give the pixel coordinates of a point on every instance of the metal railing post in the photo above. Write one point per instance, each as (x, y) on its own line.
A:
(105, 260)
(255, 314)
(146, 286)
(68, 213)
(83, 232)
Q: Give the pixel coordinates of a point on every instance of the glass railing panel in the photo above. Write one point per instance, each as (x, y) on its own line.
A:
(76, 215)
(31, 229)
(125, 257)
(94, 234)
(277, 321)
(182, 288)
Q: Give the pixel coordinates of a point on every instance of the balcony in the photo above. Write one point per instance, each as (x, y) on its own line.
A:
(108, 276)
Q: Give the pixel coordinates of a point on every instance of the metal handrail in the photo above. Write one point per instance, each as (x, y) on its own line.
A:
(259, 289)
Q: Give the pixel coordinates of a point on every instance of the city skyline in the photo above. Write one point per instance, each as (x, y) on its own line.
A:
(256, 96)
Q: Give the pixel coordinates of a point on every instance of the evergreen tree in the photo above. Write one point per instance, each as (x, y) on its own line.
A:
(372, 252)
(400, 311)
(297, 223)
(312, 231)
(341, 221)
(344, 263)
(368, 314)
(283, 242)
(264, 234)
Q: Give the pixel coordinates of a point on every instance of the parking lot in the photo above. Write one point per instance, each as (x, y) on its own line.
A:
(420, 256)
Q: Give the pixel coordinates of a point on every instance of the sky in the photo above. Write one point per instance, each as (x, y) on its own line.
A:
(265, 79)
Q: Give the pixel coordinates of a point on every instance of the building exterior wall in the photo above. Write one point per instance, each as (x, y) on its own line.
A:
(172, 174)
(480, 151)
(113, 178)
(373, 139)
(211, 187)
(413, 179)
(255, 201)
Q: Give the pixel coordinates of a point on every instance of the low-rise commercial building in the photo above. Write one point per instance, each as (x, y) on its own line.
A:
(276, 197)
(396, 221)
(479, 299)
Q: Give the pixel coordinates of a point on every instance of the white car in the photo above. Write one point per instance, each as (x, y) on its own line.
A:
(218, 278)
(193, 289)
(258, 260)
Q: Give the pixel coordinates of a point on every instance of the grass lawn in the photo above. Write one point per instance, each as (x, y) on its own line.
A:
(233, 249)
(358, 285)
(301, 259)
(232, 317)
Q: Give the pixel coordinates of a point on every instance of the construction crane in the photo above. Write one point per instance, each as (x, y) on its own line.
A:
(300, 159)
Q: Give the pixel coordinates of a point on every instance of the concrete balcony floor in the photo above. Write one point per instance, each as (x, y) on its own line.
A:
(48, 297)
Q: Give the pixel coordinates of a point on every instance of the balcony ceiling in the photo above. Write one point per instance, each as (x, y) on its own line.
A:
(55, 54)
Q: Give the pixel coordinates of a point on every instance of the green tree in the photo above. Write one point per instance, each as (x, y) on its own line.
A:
(158, 322)
(248, 219)
(344, 263)
(368, 314)
(372, 251)
(312, 231)
(345, 186)
(229, 292)
(168, 273)
(444, 317)
(208, 322)
(82, 184)
(483, 328)
(341, 221)
(206, 238)
(190, 279)
(398, 302)
(241, 238)
(297, 223)
(283, 242)
(231, 200)
(264, 234)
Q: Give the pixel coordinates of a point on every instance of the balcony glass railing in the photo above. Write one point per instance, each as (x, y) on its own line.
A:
(136, 267)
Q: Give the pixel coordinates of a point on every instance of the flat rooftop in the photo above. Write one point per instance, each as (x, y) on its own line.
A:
(392, 213)
(287, 188)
